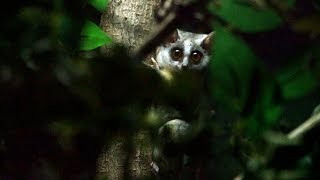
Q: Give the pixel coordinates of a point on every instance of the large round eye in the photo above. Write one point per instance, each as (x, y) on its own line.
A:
(196, 57)
(176, 54)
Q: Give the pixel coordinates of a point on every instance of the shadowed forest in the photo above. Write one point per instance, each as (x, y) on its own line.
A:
(69, 93)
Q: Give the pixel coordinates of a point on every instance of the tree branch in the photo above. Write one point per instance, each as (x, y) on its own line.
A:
(305, 127)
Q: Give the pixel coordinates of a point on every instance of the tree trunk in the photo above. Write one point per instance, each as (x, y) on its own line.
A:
(127, 22)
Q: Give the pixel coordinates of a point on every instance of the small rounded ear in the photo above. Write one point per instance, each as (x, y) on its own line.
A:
(173, 37)
(206, 43)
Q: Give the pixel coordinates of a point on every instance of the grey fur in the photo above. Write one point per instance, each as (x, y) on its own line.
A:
(188, 42)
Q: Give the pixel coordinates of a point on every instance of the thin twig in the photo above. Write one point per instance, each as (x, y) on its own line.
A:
(304, 127)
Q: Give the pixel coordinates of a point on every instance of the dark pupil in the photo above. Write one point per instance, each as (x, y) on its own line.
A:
(196, 56)
(176, 54)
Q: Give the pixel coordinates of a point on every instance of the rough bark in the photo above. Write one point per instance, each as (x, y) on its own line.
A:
(118, 162)
(127, 22)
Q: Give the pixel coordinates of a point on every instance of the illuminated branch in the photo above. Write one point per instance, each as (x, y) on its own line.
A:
(305, 127)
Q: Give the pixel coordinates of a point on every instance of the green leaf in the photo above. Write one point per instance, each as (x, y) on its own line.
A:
(245, 17)
(92, 36)
(100, 5)
(270, 109)
(299, 78)
(265, 108)
(239, 82)
(296, 81)
(231, 67)
(290, 3)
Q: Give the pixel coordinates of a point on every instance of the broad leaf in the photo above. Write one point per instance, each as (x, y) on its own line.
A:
(231, 67)
(296, 80)
(92, 37)
(239, 82)
(245, 17)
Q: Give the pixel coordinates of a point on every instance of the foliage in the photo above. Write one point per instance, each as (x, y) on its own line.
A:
(93, 36)
(262, 89)
(60, 104)
(237, 14)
